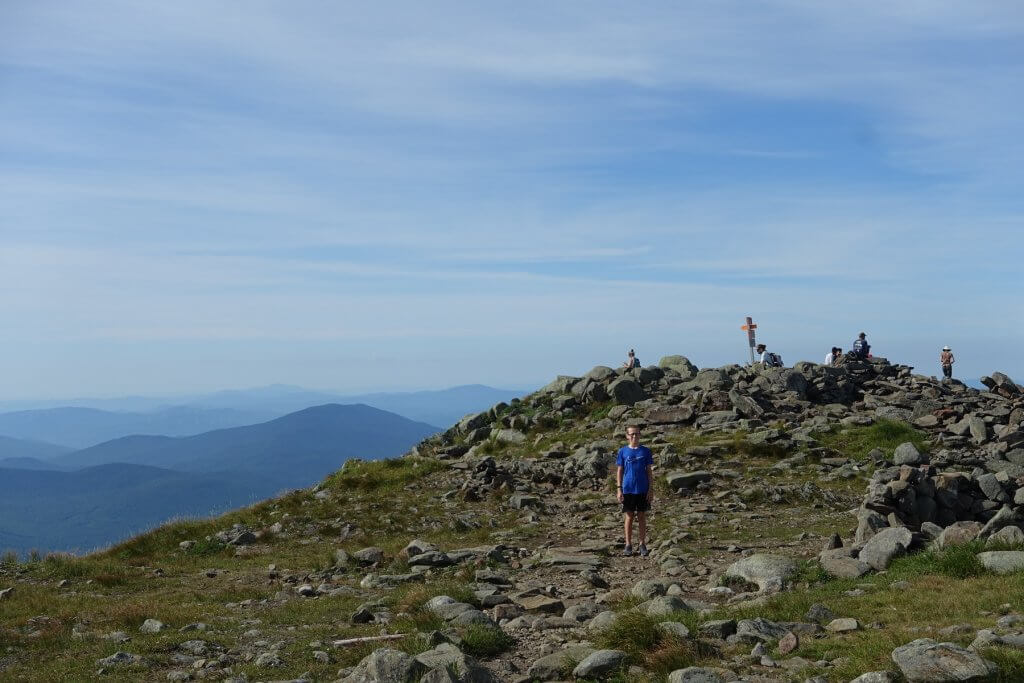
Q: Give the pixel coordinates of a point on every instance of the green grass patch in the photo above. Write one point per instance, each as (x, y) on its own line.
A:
(857, 442)
(379, 476)
(485, 641)
(637, 634)
(1010, 662)
(957, 562)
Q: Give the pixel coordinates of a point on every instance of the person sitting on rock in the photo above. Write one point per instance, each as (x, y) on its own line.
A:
(632, 361)
(767, 358)
(861, 348)
(634, 475)
(833, 356)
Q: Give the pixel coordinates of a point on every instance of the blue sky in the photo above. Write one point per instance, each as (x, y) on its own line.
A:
(418, 195)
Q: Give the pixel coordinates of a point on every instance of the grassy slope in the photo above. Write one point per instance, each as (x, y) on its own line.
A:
(387, 503)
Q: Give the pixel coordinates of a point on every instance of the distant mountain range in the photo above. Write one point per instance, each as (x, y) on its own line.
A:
(131, 483)
(26, 449)
(87, 422)
(91, 508)
(295, 450)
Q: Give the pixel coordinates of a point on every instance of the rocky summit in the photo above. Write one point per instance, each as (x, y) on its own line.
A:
(849, 523)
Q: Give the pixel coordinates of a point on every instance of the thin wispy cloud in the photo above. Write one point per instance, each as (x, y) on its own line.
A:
(409, 181)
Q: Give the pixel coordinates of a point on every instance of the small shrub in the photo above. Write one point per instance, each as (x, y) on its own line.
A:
(486, 641)
(671, 655)
(206, 546)
(65, 566)
(1010, 662)
(634, 633)
(811, 572)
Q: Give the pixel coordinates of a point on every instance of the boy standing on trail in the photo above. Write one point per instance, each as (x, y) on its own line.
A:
(634, 476)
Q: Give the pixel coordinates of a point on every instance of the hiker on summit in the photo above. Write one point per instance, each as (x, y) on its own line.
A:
(634, 476)
(861, 348)
(767, 358)
(631, 361)
(946, 360)
(833, 356)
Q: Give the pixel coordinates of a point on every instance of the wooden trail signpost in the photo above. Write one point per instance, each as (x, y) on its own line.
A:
(750, 327)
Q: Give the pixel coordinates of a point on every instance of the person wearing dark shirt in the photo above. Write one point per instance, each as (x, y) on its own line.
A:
(861, 348)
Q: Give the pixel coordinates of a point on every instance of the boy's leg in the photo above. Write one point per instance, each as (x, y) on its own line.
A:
(628, 528)
(641, 518)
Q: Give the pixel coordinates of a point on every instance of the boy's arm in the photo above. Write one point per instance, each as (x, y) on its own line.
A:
(618, 482)
(650, 482)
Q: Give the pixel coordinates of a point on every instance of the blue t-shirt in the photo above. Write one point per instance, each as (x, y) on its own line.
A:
(634, 463)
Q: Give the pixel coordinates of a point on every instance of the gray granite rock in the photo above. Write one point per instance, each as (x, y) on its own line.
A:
(600, 663)
(887, 544)
(925, 660)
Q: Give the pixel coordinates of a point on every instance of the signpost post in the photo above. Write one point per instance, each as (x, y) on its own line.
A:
(750, 327)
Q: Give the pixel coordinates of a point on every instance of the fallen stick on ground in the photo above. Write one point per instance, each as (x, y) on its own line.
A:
(367, 639)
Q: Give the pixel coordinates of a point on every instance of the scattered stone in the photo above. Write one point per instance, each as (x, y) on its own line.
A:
(876, 677)
(843, 625)
(695, 674)
(152, 626)
(120, 659)
(557, 665)
(788, 643)
(599, 664)
(673, 629)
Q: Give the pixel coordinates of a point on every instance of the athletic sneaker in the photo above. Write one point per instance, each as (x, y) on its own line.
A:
(627, 551)
(644, 552)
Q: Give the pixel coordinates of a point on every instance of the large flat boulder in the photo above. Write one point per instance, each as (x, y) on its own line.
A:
(926, 661)
(764, 569)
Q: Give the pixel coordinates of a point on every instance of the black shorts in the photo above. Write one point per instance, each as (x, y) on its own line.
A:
(635, 502)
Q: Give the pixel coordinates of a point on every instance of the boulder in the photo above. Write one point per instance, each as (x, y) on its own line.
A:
(626, 391)
(464, 667)
(925, 660)
(958, 533)
(907, 454)
(887, 544)
(680, 364)
(876, 677)
(600, 664)
(386, 666)
(764, 569)
(557, 664)
(601, 373)
(686, 480)
(695, 674)
(758, 631)
(1002, 561)
(664, 605)
(844, 567)
(1007, 536)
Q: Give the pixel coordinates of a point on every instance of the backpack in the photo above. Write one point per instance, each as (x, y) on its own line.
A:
(773, 360)
(636, 362)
